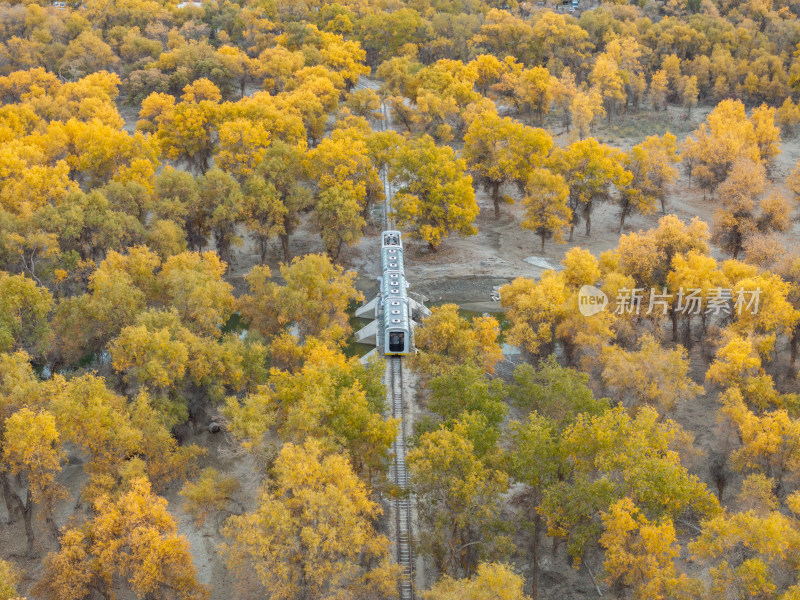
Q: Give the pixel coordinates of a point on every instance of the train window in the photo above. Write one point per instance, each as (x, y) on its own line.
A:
(396, 341)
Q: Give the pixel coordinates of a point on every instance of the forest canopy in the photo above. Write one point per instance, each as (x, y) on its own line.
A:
(191, 196)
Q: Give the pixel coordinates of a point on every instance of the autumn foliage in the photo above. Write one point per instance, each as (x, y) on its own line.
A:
(186, 190)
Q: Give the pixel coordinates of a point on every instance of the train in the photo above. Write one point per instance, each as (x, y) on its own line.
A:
(396, 326)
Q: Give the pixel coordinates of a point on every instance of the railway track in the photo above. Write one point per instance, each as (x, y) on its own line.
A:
(402, 504)
(388, 222)
(405, 557)
(388, 192)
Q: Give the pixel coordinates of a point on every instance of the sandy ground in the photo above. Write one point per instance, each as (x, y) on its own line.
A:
(466, 269)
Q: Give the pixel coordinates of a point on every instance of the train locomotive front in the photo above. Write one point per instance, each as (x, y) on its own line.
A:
(396, 325)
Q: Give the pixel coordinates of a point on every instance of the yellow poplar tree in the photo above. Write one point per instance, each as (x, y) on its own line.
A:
(535, 309)
(311, 534)
(445, 339)
(434, 194)
(32, 451)
(546, 210)
(641, 554)
(491, 580)
(242, 146)
(652, 375)
(499, 150)
(132, 538)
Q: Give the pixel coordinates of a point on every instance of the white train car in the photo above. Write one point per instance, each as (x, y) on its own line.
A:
(396, 326)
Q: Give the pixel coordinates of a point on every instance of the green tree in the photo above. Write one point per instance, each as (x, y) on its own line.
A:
(285, 168)
(220, 193)
(86, 225)
(458, 500)
(263, 212)
(178, 198)
(464, 395)
(614, 455)
(555, 396)
(24, 309)
(339, 215)
(534, 462)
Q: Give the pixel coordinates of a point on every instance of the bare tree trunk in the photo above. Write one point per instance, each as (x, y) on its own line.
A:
(285, 246)
(53, 528)
(535, 558)
(719, 472)
(674, 315)
(335, 256)
(27, 516)
(7, 497)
